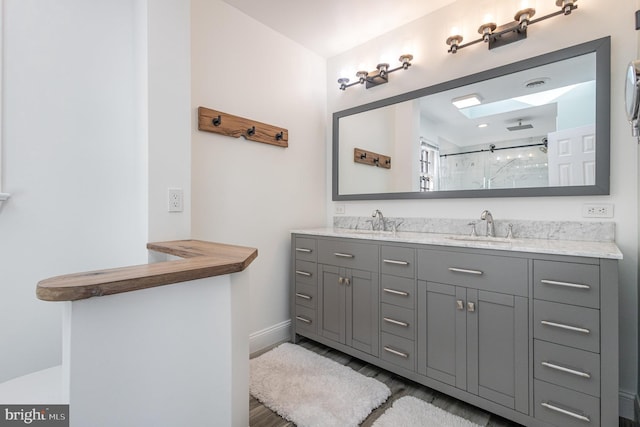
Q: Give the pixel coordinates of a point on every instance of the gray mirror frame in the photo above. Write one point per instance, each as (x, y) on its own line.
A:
(602, 48)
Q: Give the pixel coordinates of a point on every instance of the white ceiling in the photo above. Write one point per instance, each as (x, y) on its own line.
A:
(330, 27)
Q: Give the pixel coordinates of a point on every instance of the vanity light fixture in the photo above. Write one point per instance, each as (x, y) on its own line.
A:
(496, 36)
(377, 77)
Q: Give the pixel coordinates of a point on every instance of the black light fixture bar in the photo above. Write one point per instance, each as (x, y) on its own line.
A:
(511, 32)
(377, 77)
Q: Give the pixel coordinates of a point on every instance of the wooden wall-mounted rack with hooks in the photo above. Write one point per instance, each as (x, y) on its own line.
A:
(235, 126)
(370, 158)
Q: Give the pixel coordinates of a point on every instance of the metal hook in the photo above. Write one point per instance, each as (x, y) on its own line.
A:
(279, 136)
(217, 121)
(363, 155)
(251, 131)
(376, 161)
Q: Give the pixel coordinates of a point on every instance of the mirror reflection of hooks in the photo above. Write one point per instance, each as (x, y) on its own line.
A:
(279, 136)
(217, 121)
(251, 131)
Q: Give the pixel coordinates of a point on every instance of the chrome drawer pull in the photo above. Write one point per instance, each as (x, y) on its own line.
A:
(396, 322)
(303, 319)
(567, 327)
(303, 273)
(462, 270)
(305, 250)
(391, 261)
(303, 296)
(341, 255)
(567, 370)
(565, 412)
(393, 291)
(396, 352)
(565, 284)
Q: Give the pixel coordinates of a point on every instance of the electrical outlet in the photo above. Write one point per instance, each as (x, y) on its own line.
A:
(176, 200)
(339, 209)
(592, 210)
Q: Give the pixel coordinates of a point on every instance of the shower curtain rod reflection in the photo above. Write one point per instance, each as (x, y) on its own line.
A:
(493, 148)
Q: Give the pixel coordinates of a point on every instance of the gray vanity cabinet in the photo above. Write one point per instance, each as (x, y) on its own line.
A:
(348, 296)
(475, 339)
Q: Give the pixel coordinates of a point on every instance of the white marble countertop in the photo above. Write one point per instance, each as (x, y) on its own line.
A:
(543, 246)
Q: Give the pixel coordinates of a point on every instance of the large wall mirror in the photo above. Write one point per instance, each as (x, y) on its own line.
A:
(537, 127)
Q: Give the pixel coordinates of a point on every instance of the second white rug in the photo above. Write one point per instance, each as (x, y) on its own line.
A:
(313, 391)
(410, 411)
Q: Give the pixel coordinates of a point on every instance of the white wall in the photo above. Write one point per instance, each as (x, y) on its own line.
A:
(72, 160)
(249, 193)
(425, 38)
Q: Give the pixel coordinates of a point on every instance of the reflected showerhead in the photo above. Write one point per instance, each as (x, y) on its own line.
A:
(520, 126)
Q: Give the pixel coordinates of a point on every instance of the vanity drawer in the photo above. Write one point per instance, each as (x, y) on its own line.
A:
(397, 350)
(305, 319)
(305, 272)
(398, 261)
(398, 291)
(398, 321)
(348, 254)
(565, 324)
(306, 295)
(569, 367)
(305, 249)
(566, 282)
(486, 272)
(563, 407)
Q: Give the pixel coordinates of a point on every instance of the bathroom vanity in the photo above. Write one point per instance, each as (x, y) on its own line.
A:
(524, 328)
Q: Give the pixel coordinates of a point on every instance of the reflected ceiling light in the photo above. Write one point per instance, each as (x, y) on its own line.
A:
(496, 36)
(377, 77)
(483, 125)
(466, 101)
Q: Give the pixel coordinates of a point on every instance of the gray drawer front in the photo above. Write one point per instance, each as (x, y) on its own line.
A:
(565, 324)
(306, 295)
(398, 291)
(397, 350)
(486, 272)
(398, 261)
(348, 254)
(305, 272)
(305, 320)
(305, 249)
(398, 321)
(577, 284)
(573, 403)
(568, 367)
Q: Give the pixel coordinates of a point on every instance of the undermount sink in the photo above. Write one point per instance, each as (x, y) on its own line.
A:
(483, 239)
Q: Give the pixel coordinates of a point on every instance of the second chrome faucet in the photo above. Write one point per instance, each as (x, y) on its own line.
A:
(486, 216)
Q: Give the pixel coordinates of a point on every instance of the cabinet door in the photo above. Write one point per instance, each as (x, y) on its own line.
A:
(331, 303)
(446, 334)
(497, 348)
(362, 305)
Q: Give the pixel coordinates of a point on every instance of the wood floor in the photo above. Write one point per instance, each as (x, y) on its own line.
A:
(261, 416)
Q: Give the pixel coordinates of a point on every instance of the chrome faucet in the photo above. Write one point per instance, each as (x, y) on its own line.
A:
(378, 215)
(486, 216)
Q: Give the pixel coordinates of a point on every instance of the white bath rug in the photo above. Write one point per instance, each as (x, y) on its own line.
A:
(313, 391)
(409, 411)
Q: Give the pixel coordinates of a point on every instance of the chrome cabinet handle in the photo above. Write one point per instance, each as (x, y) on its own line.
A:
(567, 370)
(303, 296)
(303, 319)
(396, 322)
(305, 250)
(347, 281)
(391, 261)
(303, 273)
(396, 352)
(341, 255)
(565, 412)
(341, 280)
(393, 291)
(460, 304)
(471, 307)
(567, 327)
(565, 284)
(464, 270)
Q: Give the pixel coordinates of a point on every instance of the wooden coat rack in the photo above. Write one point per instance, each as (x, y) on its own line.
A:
(235, 126)
(370, 158)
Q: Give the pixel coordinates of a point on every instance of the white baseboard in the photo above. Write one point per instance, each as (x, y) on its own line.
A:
(628, 405)
(269, 336)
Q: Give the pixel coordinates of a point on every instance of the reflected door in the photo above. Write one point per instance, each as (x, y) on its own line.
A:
(572, 157)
